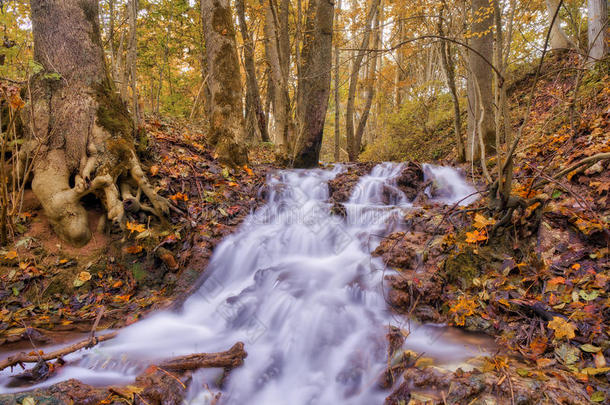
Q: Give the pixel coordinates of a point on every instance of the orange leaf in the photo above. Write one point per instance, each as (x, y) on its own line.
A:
(475, 236)
(135, 249)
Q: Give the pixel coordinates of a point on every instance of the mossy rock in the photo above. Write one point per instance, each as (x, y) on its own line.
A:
(463, 267)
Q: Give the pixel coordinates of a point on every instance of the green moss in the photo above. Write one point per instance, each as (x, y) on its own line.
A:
(90, 9)
(463, 267)
(112, 114)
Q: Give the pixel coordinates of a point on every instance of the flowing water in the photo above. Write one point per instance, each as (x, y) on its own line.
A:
(299, 287)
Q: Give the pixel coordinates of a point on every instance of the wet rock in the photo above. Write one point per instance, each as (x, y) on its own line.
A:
(411, 180)
(402, 395)
(341, 187)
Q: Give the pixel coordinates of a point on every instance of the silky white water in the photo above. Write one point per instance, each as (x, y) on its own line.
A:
(299, 287)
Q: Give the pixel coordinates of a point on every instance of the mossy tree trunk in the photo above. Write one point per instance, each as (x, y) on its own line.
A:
(78, 120)
(227, 130)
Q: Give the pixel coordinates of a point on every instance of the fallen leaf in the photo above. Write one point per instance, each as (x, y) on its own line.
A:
(475, 236)
(82, 278)
(562, 328)
(481, 222)
(135, 227)
(11, 255)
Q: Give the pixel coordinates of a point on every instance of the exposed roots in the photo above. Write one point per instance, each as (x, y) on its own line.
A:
(62, 203)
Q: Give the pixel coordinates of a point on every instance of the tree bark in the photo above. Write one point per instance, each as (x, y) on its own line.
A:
(226, 108)
(280, 94)
(449, 70)
(83, 128)
(337, 151)
(598, 29)
(353, 83)
(482, 42)
(370, 87)
(558, 38)
(133, 60)
(255, 105)
(314, 85)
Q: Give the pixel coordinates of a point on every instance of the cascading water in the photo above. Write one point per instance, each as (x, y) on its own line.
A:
(299, 287)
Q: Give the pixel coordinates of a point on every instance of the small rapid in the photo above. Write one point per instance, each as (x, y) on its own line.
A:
(299, 287)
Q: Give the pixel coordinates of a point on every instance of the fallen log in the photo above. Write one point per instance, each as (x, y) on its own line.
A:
(164, 383)
(234, 357)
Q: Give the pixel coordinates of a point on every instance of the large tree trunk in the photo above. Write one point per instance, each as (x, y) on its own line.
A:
(253, 97)
(83, 127)
(558, 38)
(226, 106)
(314, 85)
(480, 65)
(353, 83)
(598, 29)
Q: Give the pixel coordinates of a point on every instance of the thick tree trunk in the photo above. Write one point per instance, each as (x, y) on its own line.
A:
(480, 66)
(598, 29)
(227, 132)
(84, 127)
(314, 85)
(352, 150)
(558, 38)
(253, 97)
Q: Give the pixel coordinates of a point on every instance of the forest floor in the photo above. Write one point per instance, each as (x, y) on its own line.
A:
(537, 285)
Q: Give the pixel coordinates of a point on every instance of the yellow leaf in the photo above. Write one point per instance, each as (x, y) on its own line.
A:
(481, 222)
(10, 255)
(562, 328)
(82, 278)
(154, 169)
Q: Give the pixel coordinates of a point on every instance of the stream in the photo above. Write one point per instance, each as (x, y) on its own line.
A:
(300, 288)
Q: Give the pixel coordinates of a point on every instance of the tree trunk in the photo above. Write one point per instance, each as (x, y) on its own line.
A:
(337, 154)
(400, 73)
(226, 105)
(558, 38)
(353, 83)
(253, 94)
(598, 29)
(280, 94)
(480, 65)
(370, 90)
(314, 85)
(133, 60)
(449, 70)
(84, 127)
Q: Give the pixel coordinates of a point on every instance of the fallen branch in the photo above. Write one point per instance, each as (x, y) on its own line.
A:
(25, 358)
(234, 357)
(586, 161)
